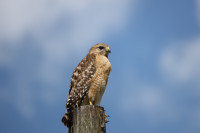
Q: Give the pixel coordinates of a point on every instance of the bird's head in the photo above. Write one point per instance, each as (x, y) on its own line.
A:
(100, 48)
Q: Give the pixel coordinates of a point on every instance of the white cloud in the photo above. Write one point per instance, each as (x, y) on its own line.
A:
(83, 23)
(58, 28)
(180, 62)
(86, 20)
(150, 102)
(21, 98)
(145, 98)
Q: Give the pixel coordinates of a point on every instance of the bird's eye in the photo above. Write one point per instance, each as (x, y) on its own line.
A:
(101, 47)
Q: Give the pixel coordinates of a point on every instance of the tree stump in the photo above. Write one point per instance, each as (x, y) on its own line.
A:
(89, 119)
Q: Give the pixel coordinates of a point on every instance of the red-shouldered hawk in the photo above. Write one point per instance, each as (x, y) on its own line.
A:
(88, 81)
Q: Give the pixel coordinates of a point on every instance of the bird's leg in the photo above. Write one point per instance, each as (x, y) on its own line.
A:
(91, 102)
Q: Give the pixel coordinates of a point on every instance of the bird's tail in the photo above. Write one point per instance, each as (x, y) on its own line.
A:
(67, 121)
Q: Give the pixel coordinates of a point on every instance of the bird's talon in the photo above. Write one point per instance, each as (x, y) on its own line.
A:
(107, 116)
(107, 121)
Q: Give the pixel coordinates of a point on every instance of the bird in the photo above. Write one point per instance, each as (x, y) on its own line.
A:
(88, 81)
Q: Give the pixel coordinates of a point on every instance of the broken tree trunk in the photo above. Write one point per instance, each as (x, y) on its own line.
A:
(89, 119)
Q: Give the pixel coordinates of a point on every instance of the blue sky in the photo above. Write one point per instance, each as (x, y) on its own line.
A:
(154, 84)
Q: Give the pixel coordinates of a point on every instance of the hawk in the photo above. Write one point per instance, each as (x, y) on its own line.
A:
(88, 81)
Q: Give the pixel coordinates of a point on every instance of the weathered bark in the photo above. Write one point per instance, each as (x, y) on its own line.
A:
(89, 119)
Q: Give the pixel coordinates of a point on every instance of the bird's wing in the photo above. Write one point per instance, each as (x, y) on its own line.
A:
(80, 84)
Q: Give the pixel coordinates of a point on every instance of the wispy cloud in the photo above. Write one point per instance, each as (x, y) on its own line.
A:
(55, 30)
(145, 98)
(181, 62)
(160, 101)
(179, 65)
(87, 20)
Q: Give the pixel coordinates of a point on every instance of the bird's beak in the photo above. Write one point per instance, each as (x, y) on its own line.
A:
(108, 49)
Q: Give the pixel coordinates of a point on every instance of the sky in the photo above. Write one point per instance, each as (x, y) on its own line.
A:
(154, 85)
